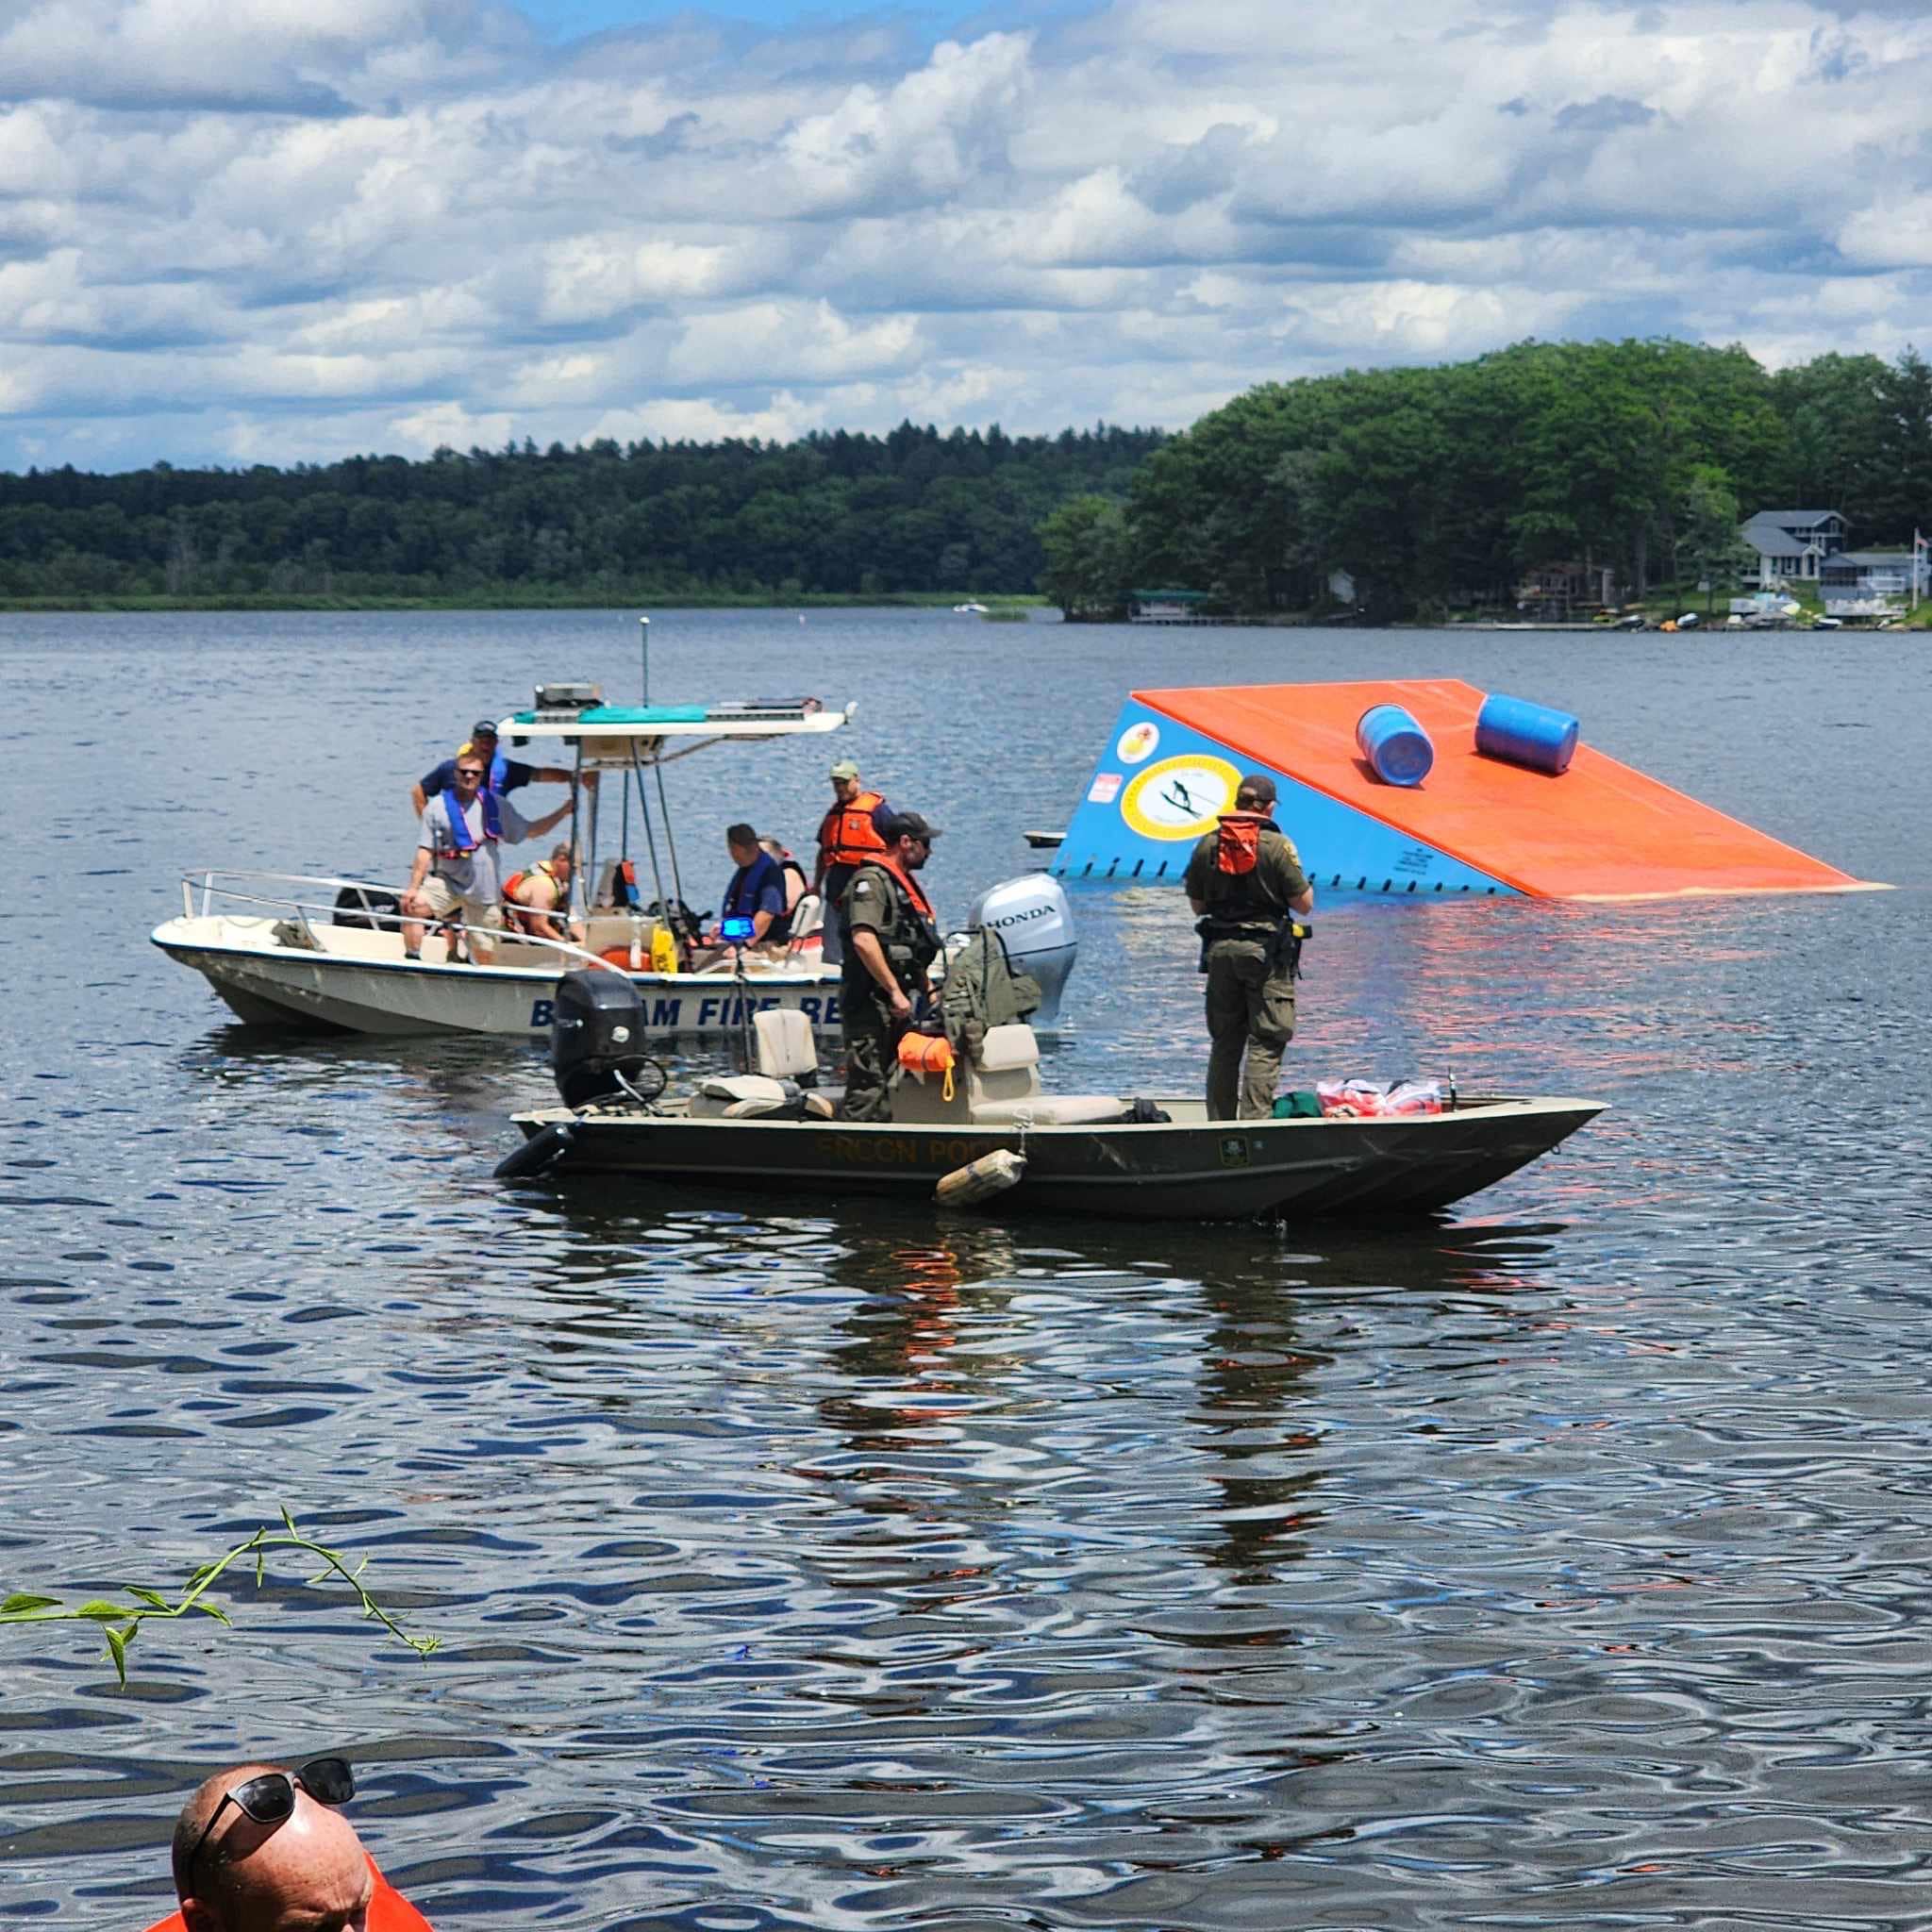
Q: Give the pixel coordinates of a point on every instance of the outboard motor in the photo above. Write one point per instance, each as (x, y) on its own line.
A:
(1032, 916)
(597, 1033)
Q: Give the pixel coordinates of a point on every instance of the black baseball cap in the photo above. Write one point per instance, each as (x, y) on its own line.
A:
(909, 825)
(484, 728)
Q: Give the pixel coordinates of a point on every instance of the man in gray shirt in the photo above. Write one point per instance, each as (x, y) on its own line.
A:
(456, 877)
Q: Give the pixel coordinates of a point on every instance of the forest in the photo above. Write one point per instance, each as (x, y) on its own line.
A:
(1435, 489)
(836, 514)
(1438, 488)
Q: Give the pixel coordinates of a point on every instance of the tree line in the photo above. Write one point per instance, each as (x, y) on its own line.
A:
(1438, 488)
(834, 513)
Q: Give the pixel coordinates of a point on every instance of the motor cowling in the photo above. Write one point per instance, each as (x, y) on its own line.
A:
(1031, 915)
(597, 1033)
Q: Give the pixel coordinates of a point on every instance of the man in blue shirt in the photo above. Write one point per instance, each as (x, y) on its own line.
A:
(757, 892)
(503, 774)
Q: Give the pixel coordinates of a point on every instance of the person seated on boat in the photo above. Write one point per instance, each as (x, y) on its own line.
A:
(506, 774)
(796, 883)
(455, 878)
(755, 893)
(894, 939)
(258, 1848)
(849, 834)
(537, 899)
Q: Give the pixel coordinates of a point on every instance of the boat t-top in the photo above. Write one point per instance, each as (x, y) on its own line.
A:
(320, 952)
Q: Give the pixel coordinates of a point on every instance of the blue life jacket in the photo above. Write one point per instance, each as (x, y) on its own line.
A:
(749, 884)
(458, 823)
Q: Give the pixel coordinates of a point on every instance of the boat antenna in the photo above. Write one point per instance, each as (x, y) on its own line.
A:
(645, 659)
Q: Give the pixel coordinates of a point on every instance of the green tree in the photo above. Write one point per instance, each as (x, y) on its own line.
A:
(1085, 545)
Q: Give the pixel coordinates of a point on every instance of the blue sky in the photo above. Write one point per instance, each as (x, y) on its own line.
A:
(393, 225)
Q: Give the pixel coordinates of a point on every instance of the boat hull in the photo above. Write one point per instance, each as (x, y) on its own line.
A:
(1184, 1170)
(265, 983)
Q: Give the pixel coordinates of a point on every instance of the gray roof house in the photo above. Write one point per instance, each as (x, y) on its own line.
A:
(1793, 544)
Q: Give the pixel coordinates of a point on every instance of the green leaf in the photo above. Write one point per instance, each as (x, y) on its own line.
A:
(22, 1600)
(100, 1611)
(290, 1521)
(215, 1610)
(117, 1646)
(150, 1596)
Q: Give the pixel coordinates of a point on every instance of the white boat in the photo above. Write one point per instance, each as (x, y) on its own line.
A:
(304, 950)
(969, 609)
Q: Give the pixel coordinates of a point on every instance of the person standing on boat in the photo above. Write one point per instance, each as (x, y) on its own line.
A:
(849, 835)
(1245, 882)
(455, 878)
(506, 774)
(893, 940)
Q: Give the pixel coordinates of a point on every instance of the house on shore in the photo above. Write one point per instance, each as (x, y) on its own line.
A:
(1793, 547)
(1556, 590)
(1872, 583)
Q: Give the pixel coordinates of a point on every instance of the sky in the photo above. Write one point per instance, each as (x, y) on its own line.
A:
(242, 231)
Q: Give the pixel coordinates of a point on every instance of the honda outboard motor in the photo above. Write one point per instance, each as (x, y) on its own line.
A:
(597, 1033)
(1031, 915)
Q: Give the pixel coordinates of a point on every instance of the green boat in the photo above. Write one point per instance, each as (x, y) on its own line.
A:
(1127, 1158)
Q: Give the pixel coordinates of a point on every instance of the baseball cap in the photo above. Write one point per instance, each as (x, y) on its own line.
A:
(845, 769)
(908, 825)
(483, 727)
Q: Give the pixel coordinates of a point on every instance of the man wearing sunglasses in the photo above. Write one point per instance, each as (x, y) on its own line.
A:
(259, 1849)
(456, 877)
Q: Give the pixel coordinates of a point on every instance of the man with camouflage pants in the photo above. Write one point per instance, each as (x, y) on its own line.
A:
(1245, 883)
(893, 940)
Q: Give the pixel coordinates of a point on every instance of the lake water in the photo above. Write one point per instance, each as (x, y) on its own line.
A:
(802, 1563)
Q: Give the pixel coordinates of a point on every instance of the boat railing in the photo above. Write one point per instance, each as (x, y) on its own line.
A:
(204, 892)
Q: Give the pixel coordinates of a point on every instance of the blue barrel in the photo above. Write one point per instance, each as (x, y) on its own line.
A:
(1520, 733)
(1397, 748)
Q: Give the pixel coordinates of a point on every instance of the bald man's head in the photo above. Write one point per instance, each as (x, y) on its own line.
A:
(307, 1873)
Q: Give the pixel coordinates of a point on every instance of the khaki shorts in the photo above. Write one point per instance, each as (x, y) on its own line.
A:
(442, 899)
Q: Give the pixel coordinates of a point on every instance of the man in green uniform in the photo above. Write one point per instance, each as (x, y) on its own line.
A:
(893, 940)
(1246, 884)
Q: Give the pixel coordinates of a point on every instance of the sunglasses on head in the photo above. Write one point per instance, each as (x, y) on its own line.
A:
(269, 1799)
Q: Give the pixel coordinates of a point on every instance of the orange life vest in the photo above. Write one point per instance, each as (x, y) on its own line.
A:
(907, 883)
(516, 914)
(848, 836)
(1238, 846)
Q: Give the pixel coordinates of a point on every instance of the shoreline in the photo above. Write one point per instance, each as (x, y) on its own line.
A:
(604, 600)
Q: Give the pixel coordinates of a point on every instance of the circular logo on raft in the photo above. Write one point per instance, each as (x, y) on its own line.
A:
(1180, 797)
(1137, 741)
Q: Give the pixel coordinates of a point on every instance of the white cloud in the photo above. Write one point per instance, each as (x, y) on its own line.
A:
(242, 228)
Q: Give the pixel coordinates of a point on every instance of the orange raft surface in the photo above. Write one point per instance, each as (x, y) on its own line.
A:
(1600, 831)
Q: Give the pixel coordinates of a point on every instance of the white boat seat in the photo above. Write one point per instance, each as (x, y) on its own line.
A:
(807, 916)
(787, 1047)
(747, 1096)
(1006, 1048)
(1050, 1111)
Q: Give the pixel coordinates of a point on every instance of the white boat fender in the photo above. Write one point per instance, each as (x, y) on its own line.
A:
(535, 1154)
(979, 1181)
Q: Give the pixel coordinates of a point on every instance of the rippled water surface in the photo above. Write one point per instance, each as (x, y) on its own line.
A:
(805, 1563)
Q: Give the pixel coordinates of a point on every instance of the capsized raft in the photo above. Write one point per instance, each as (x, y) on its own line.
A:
(1600, 830)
